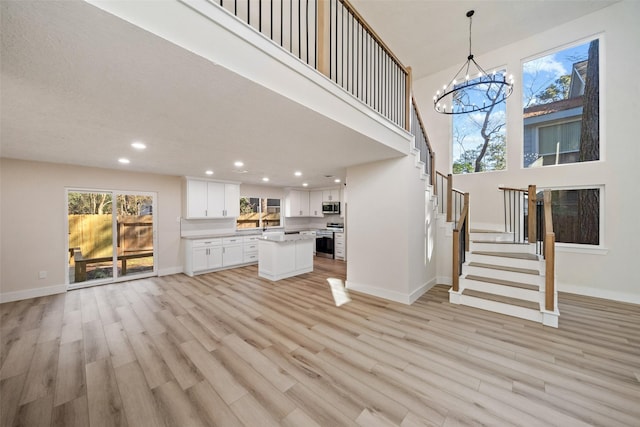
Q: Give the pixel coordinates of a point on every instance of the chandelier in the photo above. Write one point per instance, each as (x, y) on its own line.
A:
(472, 89)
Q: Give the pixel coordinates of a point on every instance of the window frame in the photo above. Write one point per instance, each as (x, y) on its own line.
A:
(602, 95)
(505, 131)
(260, 214)
(601, 248)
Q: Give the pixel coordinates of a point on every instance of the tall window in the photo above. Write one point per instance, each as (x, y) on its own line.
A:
(479, 139)
(561, 106)
(258, 212)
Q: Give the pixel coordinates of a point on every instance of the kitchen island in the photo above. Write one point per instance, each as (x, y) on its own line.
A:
(285, 255)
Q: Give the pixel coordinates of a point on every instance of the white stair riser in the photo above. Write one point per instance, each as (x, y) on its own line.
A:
(504, 261)
(530, 279)
(498, 307)
(497, 236)
(503, 247)
(494, 288)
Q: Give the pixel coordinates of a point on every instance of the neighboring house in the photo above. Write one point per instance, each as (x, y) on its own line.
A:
(552, 130)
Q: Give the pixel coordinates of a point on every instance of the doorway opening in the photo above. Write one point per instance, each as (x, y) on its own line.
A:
(111, 236)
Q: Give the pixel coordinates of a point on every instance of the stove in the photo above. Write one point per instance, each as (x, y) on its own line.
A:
(337, 227)
(325, 239)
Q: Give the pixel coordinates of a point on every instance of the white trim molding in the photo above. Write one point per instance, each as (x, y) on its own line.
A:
(32, 293)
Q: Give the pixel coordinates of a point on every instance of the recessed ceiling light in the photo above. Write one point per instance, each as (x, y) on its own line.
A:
(336, 180)
(209, 172)
(138, 145)
(304, 184)
(297, 173)
(124, 161)
(238, 164)
(265, 179)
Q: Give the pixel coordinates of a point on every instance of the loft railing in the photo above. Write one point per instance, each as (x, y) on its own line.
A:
(422, 144)
(332, 37)
(291, 24)
(362, 64)
(460, 242)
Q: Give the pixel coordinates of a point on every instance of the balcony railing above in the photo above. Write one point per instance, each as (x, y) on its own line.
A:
(332, 37)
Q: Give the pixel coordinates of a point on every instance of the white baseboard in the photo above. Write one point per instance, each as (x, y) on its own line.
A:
(170, 270)
(598, 293)
(379, 292)
(413, 296)
(32, 293)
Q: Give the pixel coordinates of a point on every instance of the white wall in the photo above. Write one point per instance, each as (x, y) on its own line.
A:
(34, 214)
(608, 273)
(388, 229)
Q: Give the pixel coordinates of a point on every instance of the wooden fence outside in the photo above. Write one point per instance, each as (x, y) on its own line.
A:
(94, 236)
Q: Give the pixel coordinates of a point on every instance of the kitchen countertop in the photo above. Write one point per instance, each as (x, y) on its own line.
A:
(281, 238)
(217, 236)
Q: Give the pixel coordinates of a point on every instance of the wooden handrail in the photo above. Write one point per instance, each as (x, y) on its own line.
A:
(523, 190)
(424, 131)
(372, 33)
(549, 254)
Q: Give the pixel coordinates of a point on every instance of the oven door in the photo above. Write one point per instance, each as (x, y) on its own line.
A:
(324, 245)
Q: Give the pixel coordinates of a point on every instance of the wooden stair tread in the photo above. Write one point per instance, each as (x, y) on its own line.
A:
(505, 268)
(502, 282)
(501, 298)
(500, 242)
(480, 230)
(517, 255)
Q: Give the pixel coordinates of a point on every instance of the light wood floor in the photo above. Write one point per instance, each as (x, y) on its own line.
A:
(230, 349)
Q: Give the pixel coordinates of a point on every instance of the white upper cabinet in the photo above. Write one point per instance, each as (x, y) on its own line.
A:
(211, 199)
(332, 195)
(297, 203)
(315, 203)
(232, 200)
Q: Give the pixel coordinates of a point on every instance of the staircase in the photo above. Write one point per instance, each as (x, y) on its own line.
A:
(504, 277)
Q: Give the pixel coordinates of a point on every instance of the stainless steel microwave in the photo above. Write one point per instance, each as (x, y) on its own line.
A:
(330, 207)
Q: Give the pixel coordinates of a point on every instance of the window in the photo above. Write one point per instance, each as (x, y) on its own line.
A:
(561, 106)
(576, 216)
(258, 212)
(479, 139)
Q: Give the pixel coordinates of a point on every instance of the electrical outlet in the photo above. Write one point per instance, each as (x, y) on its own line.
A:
(42, 274)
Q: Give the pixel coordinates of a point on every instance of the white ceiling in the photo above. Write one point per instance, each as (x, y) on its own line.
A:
(78, 85)
(432, 35)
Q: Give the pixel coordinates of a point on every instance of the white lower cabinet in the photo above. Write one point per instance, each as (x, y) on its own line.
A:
(250, 249)
(204, 255)
(231, 251)
(339, 246)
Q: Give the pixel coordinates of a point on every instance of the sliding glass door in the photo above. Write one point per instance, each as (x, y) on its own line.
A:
(111, 236)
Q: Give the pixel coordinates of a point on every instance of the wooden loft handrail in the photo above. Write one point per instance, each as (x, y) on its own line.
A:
(371, 32)
(441, 174)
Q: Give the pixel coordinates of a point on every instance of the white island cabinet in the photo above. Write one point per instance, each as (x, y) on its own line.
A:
(282, 256)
